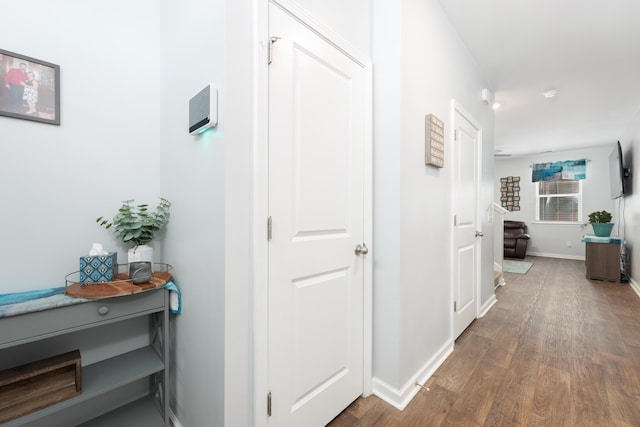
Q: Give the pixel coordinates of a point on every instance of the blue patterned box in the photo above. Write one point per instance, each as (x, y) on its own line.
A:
(98, 268)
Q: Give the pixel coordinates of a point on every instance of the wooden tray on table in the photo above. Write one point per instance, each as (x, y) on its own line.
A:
(119, 287)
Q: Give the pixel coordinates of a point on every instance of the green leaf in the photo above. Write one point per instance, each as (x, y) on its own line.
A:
(137, 224)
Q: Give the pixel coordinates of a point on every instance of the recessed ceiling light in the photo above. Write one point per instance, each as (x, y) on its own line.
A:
(550, 93)
(496, 105)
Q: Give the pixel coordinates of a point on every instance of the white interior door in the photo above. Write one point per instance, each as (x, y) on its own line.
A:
(316, 172)
(466, 233)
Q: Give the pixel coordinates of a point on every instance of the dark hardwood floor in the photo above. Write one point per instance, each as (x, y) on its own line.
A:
(556, 350)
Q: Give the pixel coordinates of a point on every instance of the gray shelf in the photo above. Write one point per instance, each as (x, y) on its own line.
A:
(140, 413)
(120, 370)
(126, 389)
(103, 377)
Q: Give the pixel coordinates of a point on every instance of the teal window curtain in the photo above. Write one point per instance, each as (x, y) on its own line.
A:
(559, 171)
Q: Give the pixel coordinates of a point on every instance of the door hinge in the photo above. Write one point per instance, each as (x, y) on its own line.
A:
(455, 307)
(269, 404)
(269, 229)
(455, 134)
(272, 40)
(455, 220)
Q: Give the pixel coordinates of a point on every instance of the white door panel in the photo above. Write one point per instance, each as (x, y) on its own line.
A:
(316, 174)
(465, 293)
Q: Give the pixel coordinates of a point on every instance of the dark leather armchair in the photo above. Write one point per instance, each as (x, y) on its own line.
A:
(516, 239)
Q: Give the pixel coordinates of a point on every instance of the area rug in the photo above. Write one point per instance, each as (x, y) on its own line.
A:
(518, 267)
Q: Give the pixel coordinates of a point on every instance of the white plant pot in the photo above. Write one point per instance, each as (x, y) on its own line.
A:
(140, 253)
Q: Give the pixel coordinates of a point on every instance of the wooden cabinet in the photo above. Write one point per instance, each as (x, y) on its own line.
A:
(603, 261)
(123, 344)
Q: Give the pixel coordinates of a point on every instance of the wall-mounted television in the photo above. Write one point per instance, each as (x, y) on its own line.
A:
(617, 172)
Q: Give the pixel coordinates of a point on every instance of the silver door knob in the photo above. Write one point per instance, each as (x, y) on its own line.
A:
(362, 250)
(479, 234)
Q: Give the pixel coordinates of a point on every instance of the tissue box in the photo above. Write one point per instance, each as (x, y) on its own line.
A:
(98, 268)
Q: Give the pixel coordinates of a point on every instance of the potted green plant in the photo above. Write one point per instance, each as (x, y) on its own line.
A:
(138, 225)
(601, 223)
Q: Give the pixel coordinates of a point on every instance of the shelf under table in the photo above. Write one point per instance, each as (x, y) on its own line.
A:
(140, 413)
(102, 377)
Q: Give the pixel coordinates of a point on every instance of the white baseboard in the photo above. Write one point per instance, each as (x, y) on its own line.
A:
(174, 419)
(562, 256)
(487, 305)
(401, 398)
(634, 285)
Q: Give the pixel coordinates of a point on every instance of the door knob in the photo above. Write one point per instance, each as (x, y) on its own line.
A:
(479, 234)
(362, 250)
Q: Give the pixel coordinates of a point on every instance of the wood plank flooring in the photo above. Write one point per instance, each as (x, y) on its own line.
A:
(556, 350)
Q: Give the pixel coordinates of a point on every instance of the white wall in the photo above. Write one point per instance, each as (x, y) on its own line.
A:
(628, 207)
(551, 239)
(56, 180)
(241, 176)
(420, 66)
(192, 174)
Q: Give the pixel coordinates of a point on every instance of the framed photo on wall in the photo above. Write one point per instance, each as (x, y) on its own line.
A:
(29, 88)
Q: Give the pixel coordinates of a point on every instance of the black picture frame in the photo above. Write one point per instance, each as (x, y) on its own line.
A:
(36, 82)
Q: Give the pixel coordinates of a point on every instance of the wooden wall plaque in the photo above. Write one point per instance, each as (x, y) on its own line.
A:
(434, 141)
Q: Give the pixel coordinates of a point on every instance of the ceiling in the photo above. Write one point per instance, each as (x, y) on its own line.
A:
(589, 51)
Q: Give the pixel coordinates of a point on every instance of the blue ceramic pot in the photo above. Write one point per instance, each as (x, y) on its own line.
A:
(602, 229)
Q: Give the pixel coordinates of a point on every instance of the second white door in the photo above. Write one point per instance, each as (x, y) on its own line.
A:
(466, 225)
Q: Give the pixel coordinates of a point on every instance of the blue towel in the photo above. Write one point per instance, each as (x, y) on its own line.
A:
(17, 297)
(38, 300)
(175, 299)
(588, 238)
(44, 299)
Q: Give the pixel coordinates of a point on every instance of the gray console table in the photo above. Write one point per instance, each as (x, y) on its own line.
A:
(123, 342)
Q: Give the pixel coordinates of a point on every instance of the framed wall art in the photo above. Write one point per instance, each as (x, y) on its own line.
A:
(434, 141)
(29, 88)
(510, 193)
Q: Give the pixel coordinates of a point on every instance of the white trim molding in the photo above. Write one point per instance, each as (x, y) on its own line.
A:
(634, 285)
(315, 25)
(484, 309)
(561, 256)
(174, 419)
(400, 398)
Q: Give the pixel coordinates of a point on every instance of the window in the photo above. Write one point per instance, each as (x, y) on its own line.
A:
(559, 201)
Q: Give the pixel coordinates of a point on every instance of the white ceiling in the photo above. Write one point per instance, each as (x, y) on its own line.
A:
(589, 50)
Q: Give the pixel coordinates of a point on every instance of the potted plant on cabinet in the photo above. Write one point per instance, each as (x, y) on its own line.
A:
(137, 224)
(601, 223)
